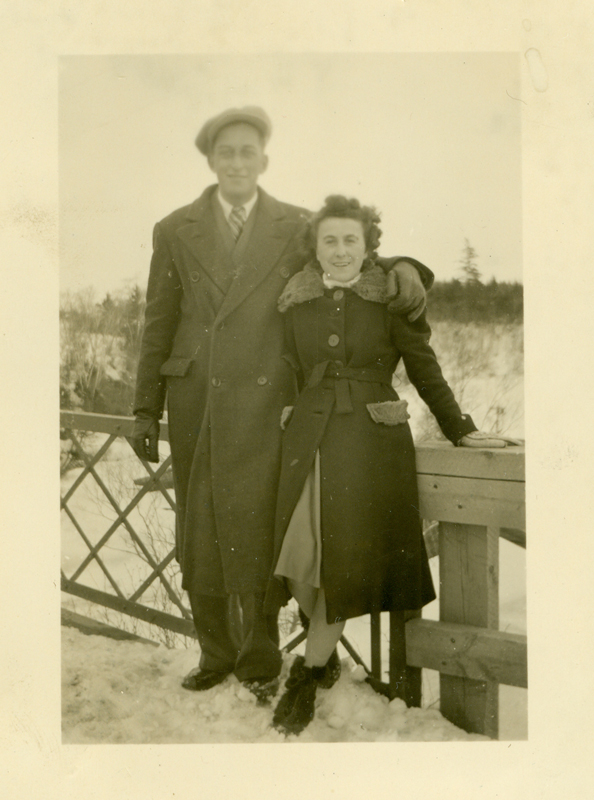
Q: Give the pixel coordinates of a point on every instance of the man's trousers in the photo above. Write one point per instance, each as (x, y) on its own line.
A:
(249, 649)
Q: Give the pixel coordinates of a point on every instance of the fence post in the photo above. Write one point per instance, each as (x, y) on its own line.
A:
(376, 644)
(405, 681)
(469, 594)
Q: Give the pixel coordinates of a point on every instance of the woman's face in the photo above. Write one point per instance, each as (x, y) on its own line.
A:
(341, 247)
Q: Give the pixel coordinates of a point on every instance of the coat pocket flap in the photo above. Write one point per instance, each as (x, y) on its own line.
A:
(391, 412)
(176, 366)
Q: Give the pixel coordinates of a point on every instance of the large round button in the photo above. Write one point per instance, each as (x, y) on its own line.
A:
(216, 381)
(333, 340)
(338, 294)
(195, 276)
(284, 271)
(262, 380)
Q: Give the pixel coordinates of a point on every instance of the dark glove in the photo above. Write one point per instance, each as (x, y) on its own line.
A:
(145, 438)
(406, 292)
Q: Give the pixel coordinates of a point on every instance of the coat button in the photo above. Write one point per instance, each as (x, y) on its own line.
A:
(262, 380)
(216, 381)
(338, 294)
(333, 340)
(284, 271)
(195, 276)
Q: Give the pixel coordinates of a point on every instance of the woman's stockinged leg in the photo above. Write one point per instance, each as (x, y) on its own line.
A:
(305, 594)
(322, 637)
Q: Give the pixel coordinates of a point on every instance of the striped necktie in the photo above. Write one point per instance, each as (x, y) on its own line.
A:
(237, 220)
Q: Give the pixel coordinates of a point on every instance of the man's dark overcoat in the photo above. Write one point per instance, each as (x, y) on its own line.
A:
(345, 345)
(213, 341)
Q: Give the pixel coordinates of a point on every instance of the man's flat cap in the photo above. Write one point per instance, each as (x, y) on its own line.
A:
(253, 115)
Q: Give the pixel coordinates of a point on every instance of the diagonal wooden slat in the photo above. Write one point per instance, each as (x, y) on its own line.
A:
(89, 544)
(156, 573)
(353, 654)
(156, 482)
(122, 519)
(86, 471)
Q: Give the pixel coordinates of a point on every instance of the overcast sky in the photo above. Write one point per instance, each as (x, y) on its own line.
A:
(433, 140)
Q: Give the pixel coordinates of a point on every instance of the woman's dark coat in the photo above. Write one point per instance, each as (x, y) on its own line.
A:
(346, 345)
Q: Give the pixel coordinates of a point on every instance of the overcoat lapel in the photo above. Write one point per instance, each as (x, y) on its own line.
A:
(271, 233)
(201, 237)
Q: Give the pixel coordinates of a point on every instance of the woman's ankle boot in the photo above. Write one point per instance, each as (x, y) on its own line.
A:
(331, 671)
(329, 675)
(295, 709)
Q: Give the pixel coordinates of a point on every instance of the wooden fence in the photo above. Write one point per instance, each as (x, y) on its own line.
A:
(473, 497)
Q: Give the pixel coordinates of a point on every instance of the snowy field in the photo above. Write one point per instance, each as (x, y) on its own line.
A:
(116, 691)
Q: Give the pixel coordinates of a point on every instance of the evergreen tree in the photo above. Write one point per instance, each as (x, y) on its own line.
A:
(468, 262)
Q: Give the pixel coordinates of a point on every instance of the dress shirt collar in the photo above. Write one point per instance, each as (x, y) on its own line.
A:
(227, 206)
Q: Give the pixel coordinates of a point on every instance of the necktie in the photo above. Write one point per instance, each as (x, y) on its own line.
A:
(237, 220)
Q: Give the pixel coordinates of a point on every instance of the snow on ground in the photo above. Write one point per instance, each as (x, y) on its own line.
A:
(119, 692)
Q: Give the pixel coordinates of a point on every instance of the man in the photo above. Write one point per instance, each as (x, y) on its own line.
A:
(213, 341)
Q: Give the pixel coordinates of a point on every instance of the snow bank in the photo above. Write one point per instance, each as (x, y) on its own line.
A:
(129, 692)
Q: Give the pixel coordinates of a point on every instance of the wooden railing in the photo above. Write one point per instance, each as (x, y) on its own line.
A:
(473, 497)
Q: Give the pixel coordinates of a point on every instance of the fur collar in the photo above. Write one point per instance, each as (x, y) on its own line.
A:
(308, 284)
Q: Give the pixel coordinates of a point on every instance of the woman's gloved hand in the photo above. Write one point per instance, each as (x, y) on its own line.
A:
(145, 438)
(481, 439)
(406, 292)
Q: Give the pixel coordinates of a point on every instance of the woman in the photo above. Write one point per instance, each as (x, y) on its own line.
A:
(348, 534)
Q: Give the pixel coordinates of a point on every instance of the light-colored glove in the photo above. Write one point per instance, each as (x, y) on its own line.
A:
(481, 439)
(406, 292)
(286, 416)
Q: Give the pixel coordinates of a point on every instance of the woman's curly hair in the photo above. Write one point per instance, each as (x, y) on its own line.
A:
(336, 205)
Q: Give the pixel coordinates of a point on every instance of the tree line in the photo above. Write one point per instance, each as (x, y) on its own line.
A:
(473, 301)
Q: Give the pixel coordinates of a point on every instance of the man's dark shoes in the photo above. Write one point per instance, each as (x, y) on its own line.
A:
(199, 680)
(295, 709)
(263, 688)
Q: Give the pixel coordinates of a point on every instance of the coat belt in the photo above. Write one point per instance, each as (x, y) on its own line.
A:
(340, 377)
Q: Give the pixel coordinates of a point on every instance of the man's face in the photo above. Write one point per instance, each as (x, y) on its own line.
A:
(238, 160)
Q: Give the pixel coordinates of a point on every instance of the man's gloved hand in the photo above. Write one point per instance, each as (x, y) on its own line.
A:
(145, 437)
(480, 439)
(406, 292)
